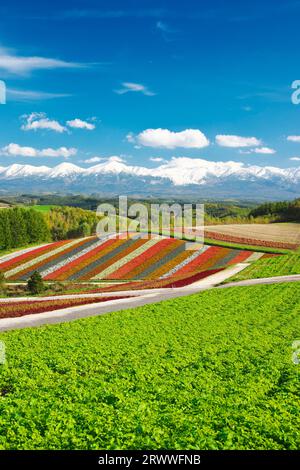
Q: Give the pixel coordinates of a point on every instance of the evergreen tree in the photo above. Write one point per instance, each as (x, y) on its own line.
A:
(35, 284)
(2, 283)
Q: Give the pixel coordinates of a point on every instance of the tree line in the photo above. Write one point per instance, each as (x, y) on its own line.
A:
(286, 211)
(21, 226)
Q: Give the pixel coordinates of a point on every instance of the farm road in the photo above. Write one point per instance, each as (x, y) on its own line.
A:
(139, 298)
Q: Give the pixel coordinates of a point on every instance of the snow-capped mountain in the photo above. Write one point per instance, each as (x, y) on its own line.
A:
(178, 176)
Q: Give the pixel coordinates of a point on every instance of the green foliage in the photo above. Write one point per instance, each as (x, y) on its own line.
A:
(35, 284)
(71, 222)
(20, 227)
(267, 267)
(43, 208)
(2, 283)
(209, 371)
(282, 211)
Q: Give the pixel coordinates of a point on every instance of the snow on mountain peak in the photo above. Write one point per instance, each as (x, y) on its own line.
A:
(179, 171)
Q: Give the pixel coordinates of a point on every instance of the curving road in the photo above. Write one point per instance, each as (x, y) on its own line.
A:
(137, 299)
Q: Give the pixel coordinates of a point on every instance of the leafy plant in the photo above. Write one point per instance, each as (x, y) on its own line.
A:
(35, 284)
(208, 371)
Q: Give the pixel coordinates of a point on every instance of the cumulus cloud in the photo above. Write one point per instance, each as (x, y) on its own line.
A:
(128, 87)
(35, 121)
(295, 159)
(236, 141)
(13, 150)
(164, 138)
(20, 65)
(79, 124)
(293, 138)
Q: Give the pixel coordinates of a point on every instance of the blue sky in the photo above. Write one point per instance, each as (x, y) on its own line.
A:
(92, 79)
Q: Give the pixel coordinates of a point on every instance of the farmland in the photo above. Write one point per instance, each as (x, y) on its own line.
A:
(282, 265)
(281, 235)
(120, 259)
(210, 371)
(18, 309)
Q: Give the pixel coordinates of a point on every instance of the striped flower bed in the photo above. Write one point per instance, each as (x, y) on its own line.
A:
(96, 268)
(190, 279)
(250, 241)
(23, 272)
(28, 255)
(162, 257)
(131, 269)
(120, 259)
(184, 263)
(71, 270)
(19, 309)
(126, 259)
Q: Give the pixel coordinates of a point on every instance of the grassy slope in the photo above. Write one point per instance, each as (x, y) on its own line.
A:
(44, 209)
(268, 267)
(210, 371)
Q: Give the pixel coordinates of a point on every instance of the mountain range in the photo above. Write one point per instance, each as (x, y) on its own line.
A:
(178, 176)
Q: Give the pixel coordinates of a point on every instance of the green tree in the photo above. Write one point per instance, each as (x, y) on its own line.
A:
(2, 283)
(36, 284)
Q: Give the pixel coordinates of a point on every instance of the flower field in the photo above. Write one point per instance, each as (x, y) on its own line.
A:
(19, 309)
(133, 259)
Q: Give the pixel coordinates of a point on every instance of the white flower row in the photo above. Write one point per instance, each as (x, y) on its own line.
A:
(185, 262)
(5, 258)
(66, 261)
(110, 269)
(43, 257)
(254, 257)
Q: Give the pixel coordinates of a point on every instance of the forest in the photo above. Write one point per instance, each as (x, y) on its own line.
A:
(21, 226)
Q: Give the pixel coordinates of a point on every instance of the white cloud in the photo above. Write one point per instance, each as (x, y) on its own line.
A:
(130, 138)
(35, 121)
(236, 141)
(29, 95)
(13, 150)
(63, 152)
(295, 159)
(20, 65)
(134, 87)
(164, 138)
(264, 150)
(116, 158)
(94, 160)
(79, 124)
(157, 159)
(293, 138)
(259, 150)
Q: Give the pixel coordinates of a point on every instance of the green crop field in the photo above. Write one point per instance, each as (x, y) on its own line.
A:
(209, 371)
(45, 208)
(267, 267)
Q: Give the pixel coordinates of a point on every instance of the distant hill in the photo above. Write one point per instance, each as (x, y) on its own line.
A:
(286, 211)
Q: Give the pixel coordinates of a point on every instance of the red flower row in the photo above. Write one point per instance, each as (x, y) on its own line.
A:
(250, 241)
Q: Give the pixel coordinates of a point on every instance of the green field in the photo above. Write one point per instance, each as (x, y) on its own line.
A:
(45, 208)
(209, 371)
(267, 267)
